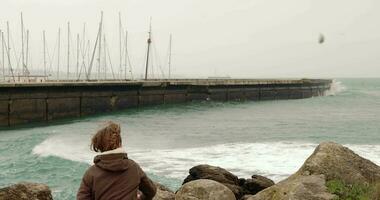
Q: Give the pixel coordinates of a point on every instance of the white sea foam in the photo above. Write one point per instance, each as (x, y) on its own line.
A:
(336, 87)
(276, 160)
(69, 148)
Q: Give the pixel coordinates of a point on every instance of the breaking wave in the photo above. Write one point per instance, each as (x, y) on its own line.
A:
(276, 160)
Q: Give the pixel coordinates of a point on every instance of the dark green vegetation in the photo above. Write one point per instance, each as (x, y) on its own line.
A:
(353, 192)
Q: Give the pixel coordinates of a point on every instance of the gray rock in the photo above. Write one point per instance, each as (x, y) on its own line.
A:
(204, 189)
(256, 184)
(213, 173)
(217, 174)
(330, 161)
(338, 162)
(296, 188)
(26, 191)
(163, 193)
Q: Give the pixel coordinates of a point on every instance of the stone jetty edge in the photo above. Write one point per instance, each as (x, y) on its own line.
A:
(36, 103)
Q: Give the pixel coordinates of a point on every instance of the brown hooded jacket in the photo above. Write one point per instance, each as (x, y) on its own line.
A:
(114, 176)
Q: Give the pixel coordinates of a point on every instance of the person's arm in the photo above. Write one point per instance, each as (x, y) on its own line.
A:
(146, 186)
(85, 190)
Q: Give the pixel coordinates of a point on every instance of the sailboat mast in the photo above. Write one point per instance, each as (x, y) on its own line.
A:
(83, 52)
(27, 54)
(147, 54)
(8, 49)
(105, 57)
(44, 41)
(22, 45)
(68, 50)
(9, 52)
(84, 39)
(77, 56)
(98, 39)
(59, 49)
(100, 45)
(126, 55)
(2, 53)
(88, 53)
(120, 46)
(170, 55)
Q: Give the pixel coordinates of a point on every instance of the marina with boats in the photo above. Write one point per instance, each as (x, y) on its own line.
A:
(96, 85)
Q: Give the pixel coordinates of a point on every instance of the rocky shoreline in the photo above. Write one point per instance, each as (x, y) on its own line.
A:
(332, 172)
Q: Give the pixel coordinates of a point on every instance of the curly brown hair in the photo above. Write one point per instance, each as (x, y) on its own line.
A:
(107, 138)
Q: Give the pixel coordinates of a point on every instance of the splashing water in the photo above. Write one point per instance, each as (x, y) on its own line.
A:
(336, 87)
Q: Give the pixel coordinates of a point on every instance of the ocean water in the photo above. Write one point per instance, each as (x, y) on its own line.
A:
(270, 138)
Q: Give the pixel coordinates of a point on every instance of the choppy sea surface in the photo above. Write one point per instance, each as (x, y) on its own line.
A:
(270, 138)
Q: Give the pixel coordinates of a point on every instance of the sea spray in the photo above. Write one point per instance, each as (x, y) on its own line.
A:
(335, 88)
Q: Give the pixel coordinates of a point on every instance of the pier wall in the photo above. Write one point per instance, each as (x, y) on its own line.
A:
(45, 102)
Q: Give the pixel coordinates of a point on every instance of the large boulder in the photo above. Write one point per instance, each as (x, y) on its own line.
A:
(26, 191)
(338, 162)
(217, 174)
(297, 188)
(330, 161)
(163, 193)
(204, 189)
(213, 173)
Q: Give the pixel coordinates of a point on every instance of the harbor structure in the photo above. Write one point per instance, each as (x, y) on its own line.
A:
(25, 103)
(48, 95)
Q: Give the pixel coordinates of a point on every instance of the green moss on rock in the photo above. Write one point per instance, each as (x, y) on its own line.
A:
(353, 191)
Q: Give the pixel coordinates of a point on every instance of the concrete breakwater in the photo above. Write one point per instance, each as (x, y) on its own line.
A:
(22, 103)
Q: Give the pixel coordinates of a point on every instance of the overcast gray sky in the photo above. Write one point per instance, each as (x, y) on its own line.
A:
(245, 38)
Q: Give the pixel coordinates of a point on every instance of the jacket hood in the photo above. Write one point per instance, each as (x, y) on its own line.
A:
(112, 162)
